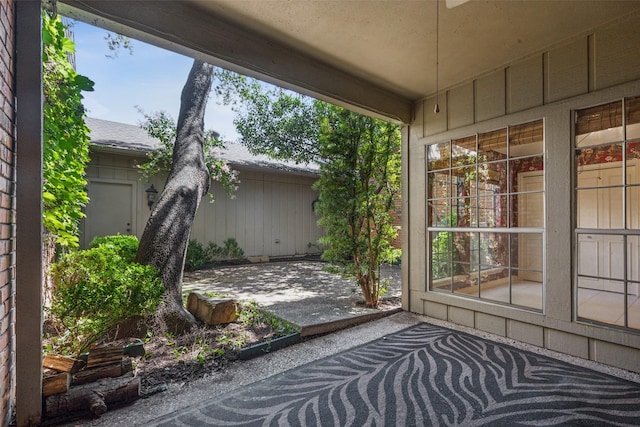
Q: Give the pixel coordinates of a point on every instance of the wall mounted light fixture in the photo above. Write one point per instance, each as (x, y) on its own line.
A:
(152, 194)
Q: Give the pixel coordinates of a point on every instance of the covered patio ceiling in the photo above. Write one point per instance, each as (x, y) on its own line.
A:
(374, 56)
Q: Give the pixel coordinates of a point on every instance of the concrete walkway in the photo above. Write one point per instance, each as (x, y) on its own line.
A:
(301, 292)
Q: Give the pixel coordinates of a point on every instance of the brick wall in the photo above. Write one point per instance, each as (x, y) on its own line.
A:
(7, 242)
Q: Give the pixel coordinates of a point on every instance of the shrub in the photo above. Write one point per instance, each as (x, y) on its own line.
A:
(97, 289)
(196, 256)
(125, 245)
(229, 251)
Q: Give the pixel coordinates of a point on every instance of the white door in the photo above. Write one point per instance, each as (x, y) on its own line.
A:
(110, 209)
(601, 254)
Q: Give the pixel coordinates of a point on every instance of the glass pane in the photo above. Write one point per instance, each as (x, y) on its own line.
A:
(633, 117)
(464, 212)
(526, 253)
(526, 139)
(441, 256)
(438, 156)
(599, 125)
(600, 208)
(603, 164)
(492, 211)
(492, 178)
(439, 185)
(494, 249)
(633, 305)
(526, 174)
(633, 208)
(463, 151)
(596, 302)
(633, 258)
(465, 281)
(633, 151)
(601, 256)
(527, 210)
(464, 181)
(495, 285)
(440, 214)
(526, 289)
(492, 145)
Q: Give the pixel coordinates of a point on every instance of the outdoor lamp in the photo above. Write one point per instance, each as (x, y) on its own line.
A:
(152, 193)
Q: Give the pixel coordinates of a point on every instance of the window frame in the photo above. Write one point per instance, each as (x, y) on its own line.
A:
(623, 231)
(476, 229)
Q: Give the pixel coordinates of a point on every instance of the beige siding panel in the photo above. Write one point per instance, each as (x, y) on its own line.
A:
(615, 355)
(568, 70)
(435, 310)
(460, 106)
(617, 51)
(492, 324)
(525, 332)
(417, 126)
(524, 85)
(490, 96)
(461, 316)
(567, 343)
(435, 122)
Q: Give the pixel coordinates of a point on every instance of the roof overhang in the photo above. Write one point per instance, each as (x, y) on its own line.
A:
(373, 56)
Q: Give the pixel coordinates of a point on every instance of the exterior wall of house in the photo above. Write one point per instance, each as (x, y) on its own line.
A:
(270, 215)
(599, 67)
(7, 194)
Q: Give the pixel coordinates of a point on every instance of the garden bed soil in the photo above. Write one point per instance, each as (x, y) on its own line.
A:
(198, 354)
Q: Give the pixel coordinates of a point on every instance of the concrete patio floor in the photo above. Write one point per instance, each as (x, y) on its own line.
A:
(302, 292)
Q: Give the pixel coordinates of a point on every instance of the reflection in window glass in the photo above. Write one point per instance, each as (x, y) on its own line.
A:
(633, 117)
(496, 189)
(438, 156)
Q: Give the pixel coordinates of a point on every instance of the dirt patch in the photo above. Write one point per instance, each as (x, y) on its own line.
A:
(198, 354)
(193, 356)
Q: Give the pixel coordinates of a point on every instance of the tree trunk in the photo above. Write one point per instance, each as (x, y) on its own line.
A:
(166, 235)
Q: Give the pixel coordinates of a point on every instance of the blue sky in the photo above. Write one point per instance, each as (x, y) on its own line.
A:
(151, 78)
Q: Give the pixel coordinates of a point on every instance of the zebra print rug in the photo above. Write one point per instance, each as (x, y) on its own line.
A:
(425, 376)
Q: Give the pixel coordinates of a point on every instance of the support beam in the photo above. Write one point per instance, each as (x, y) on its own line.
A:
(180, 26)
(28, 213)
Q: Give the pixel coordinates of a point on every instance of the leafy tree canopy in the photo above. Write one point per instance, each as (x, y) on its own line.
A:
(161, 126)
(271, 120)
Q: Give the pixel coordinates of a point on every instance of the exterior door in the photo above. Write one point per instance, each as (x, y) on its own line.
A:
(110, 209)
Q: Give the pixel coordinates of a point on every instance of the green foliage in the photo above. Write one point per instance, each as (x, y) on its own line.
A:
(161, 126)
(271, 120)
(357, 189)
(117, 42)
(251, 314)
(360, 167)
(198, 255)
(96, 289)
(65, 135)
(228, 251)
(125, 245)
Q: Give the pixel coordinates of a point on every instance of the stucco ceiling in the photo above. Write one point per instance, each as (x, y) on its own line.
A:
(377, 55)
(393, 43)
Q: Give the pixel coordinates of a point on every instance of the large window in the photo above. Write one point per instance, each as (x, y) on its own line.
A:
(485, 216)
(607, 196)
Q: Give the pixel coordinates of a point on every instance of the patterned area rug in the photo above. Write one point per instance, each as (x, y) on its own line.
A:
(425, 376)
